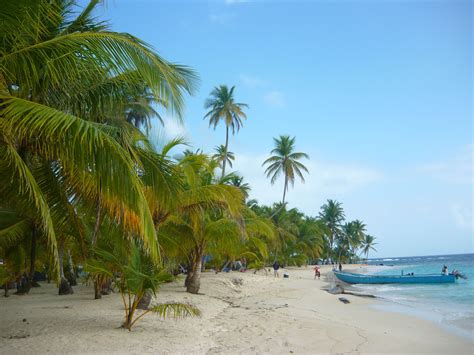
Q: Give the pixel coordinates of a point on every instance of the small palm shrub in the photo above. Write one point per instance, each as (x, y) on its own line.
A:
(136, 275)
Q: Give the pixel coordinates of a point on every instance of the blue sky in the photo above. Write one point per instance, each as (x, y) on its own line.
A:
(378, 93)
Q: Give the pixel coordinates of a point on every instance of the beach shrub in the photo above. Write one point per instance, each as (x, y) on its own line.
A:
(136, 275)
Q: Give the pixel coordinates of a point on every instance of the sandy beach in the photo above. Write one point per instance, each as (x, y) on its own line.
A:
(263, 315)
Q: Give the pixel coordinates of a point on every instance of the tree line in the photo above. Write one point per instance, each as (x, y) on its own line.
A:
(84, 189)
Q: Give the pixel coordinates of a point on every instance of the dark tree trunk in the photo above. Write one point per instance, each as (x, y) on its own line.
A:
(145, 301)
(97, 289)
(106, 287)
(23, 285)
(64, 287)
(70, 275)
(32, 255)
(194, 282)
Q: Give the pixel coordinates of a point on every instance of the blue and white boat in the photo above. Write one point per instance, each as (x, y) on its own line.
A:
(394, 279)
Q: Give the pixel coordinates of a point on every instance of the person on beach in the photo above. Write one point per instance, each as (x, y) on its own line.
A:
(276, 266)
(317, 272)
(340, 267)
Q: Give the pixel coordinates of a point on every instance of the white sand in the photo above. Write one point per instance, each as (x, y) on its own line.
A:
(265, 315)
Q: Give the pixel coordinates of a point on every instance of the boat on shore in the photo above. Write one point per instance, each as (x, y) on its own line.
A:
(394, 279)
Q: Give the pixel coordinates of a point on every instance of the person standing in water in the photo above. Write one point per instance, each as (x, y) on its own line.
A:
(276, 266)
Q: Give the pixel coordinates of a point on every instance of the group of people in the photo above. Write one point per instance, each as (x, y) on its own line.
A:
(276, 267)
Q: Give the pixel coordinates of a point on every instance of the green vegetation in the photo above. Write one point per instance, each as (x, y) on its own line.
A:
(222, 107)
(82, 185)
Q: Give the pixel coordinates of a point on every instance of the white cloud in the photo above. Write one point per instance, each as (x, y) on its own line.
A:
(325, 180)
(457, 169)
(173, 128)
(251, 81)
(274, 98)
(463, 216)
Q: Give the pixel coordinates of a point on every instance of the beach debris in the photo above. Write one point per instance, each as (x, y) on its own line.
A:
(237, 281)
(344, 300)
(359, 294)
(18, 336)
(336, 290)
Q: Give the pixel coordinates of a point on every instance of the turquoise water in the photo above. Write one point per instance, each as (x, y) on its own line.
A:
(450, 305)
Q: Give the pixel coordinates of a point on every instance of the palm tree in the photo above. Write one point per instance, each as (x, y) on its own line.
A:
(137, 276)
(285, 161)
(236, 180)
(222, 154)
(368, 244)
(332, 215)
(202, 210)
(64, 77)
(222, 107)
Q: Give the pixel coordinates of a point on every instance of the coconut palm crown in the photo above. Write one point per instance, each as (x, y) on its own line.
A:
(285, 161)
(222, 107)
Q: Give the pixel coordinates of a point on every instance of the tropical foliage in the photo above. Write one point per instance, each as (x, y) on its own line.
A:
(84, 187)
(285, 161)
(221, 106)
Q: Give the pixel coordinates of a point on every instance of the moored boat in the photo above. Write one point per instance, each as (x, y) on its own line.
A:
(394, 279)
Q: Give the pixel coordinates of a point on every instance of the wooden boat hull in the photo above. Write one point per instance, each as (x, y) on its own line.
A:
(394, 279)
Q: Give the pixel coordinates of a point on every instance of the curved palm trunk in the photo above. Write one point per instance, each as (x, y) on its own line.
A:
(225, 153)
(285, 187)
(284, 190)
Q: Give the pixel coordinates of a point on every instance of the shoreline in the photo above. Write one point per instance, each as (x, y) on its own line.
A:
(263, 315)
(460, 326)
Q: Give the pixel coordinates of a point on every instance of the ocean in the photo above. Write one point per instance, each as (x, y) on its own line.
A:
(449, 305)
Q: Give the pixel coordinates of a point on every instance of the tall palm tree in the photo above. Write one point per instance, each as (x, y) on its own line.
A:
(332, 214)
(202, 211)
(222, 107)
(222, 154)
(285, 161)
(63, 77)
(368, 244)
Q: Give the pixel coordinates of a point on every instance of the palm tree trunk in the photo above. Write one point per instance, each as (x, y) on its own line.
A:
(97, 222)
(283, 200)
(71, 276)
(33, 259)
(194, 282)
(284, 190)
(95, 235)
(64, 286)
(225, 153)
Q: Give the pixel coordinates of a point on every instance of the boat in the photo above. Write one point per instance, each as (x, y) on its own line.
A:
(352, 278)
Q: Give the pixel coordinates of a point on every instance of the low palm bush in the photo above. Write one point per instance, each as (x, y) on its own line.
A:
(136, 275)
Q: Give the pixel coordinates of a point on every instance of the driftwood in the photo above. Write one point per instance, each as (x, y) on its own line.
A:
(339, 289)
